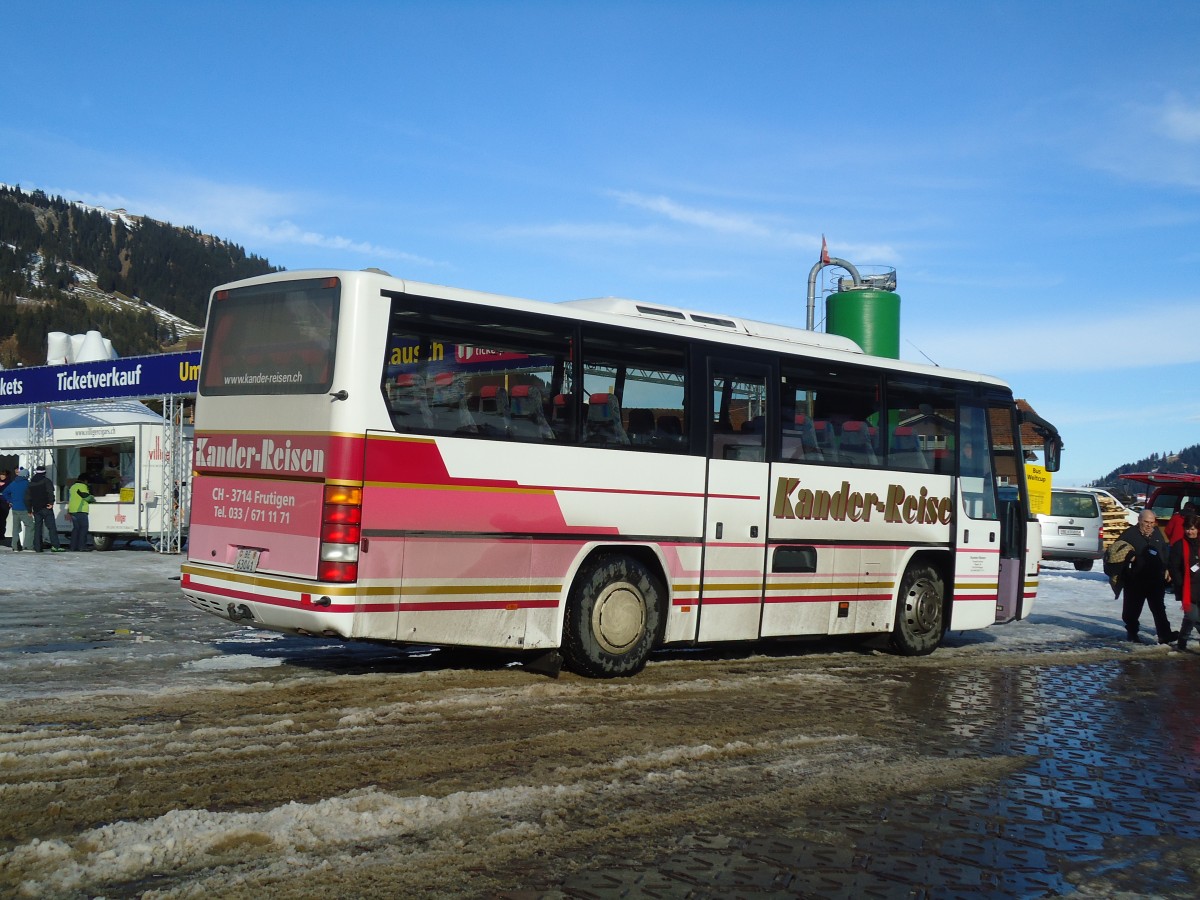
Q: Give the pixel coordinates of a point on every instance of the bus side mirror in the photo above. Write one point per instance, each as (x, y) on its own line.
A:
(1052, 450)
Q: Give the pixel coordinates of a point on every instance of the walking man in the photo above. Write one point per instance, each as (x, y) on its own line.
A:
(1146, 576)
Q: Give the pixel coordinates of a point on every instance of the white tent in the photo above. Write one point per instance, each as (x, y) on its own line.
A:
(14, 421)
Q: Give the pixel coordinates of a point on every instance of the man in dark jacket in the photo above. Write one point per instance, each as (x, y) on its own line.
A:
(1145, 577)
(41, 504)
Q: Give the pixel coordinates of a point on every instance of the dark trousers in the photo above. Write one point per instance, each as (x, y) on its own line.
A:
(1138, 595)
(79, 530)
(44, 518)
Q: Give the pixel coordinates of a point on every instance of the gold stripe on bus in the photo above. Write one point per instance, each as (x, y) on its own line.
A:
(445, 589)
(294, 585)
(788, 585)
(828, 585)
(298, 586)
(967, 586)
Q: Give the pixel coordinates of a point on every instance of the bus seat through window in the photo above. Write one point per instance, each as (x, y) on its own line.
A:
(490, 410)
(854, 446)
(826, 441)
(905, 450)
(800, 441)
(448, 403)
(526, 413)
(668, 432)
(604, 421)
(562, 416)
(410, 409)
(641, 426)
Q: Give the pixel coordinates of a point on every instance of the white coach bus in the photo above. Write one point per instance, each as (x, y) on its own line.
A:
(387, 460)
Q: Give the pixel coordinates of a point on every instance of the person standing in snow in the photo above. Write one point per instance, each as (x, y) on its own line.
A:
(41, 504)
(14, 493)
(5, 477)
(1145, 578)
(79, 502)
(1185, 576)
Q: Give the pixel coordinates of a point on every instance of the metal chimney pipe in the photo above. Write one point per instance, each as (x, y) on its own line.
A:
(812, 284)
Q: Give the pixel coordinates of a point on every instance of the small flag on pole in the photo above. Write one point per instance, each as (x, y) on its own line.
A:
(824, 251)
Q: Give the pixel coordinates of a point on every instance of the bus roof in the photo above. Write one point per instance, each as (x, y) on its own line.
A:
(655, 317)
(658, 312)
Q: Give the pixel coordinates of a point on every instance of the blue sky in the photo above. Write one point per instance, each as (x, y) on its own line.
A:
(1031, 170)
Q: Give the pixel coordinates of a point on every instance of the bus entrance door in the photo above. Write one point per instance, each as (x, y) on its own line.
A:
(735, 535)
(977, 535)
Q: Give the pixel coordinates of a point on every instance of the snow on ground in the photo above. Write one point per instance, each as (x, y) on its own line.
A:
(117, 621)
(76, 624)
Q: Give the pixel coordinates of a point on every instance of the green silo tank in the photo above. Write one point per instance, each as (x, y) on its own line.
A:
(869, 317)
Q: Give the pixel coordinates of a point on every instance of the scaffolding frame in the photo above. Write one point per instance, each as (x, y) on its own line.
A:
(175, 481)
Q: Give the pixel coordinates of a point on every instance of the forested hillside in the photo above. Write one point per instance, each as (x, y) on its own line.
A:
(69, 267)
(1186, 460)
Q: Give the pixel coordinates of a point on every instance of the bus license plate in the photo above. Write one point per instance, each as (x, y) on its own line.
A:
(247, 560)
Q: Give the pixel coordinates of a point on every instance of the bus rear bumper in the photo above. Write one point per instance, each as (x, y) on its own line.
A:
(285, 605)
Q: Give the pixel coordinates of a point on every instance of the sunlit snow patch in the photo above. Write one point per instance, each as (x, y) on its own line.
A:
(227, 663)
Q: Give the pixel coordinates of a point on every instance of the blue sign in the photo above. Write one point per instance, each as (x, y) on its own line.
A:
(136, 376)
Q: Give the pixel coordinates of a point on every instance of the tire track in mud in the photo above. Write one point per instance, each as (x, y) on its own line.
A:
(449, 782)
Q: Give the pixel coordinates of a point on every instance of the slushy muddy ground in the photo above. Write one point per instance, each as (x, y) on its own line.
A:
(151, 751)
(454, 782)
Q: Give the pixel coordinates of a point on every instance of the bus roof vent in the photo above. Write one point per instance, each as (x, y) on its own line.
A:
(729, 324)
(620, 307)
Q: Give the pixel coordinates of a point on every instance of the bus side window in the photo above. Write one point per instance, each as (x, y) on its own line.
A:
(836, 412)
(633, 387)
(921, 416)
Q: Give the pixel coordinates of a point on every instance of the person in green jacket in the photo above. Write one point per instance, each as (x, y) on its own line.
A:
(78, 503)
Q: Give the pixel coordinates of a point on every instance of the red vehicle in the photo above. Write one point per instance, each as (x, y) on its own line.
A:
(1168, 491)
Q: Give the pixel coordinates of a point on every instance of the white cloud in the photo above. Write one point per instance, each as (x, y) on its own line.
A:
(591, 232)
(1180, 120)
(239, 213)
(757, 228)
(725, 223)
(1151, 143)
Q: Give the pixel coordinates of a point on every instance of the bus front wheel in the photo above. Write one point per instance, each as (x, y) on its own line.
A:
(102, 541)
(613, 616)
(920, 612)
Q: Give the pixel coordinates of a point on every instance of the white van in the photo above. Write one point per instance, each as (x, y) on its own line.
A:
(1074, 529)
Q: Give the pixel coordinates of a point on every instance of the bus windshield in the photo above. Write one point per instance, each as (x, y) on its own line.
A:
(272, 339)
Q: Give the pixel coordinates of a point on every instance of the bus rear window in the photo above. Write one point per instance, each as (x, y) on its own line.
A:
(276, 338)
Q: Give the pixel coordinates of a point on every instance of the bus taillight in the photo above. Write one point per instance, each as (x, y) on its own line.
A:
(341, 528)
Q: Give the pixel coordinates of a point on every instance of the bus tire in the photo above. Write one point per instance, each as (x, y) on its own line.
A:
(614, 613)
(920, 611)
(102, 541)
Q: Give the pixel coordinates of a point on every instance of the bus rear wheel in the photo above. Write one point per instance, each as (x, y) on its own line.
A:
(613, 617)
(920, 612)
(102, 541)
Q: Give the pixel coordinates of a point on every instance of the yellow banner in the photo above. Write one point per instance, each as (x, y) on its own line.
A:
(1038, 481)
